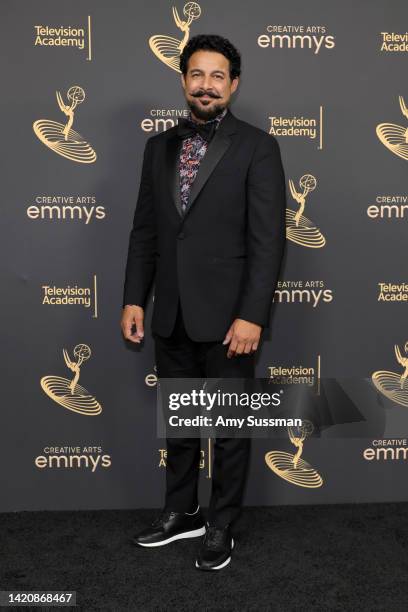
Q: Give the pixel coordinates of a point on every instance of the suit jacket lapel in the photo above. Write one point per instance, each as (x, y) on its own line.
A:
(174, 145)
(216, 149)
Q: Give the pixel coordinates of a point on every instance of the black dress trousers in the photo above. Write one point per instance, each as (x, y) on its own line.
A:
(177, 356)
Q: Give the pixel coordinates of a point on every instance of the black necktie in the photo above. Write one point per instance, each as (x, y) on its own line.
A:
(187, 128)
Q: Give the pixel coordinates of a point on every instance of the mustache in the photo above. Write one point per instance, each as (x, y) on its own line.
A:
(202, 92)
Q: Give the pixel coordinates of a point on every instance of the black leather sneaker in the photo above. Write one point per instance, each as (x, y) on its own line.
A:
(215, 550)
(170, 526)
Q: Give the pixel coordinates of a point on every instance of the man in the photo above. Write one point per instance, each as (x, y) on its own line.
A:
(209, 230)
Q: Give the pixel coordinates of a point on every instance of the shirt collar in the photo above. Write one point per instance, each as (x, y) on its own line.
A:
(217, 119)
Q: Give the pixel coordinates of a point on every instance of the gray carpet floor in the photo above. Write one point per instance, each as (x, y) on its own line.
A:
(287, 558)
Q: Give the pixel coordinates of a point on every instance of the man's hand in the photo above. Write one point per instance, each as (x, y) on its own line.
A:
(132, 315)
(243, 337)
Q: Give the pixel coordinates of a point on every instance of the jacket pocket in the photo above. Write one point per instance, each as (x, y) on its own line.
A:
(221, 258)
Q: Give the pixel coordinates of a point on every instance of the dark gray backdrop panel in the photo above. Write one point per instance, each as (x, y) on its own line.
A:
(358, 87)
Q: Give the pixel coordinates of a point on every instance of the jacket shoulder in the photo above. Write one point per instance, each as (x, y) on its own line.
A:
(252, 131)
(162, 136)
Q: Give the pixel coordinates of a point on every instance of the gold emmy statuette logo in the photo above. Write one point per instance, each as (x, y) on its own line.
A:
(291, 467)
(300, 229)
(67, 392)
(62, 139)
(392, 385)
(167, 48)
(395, 137)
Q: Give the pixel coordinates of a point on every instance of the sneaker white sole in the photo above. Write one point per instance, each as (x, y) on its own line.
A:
(224, 563)
(179, 536)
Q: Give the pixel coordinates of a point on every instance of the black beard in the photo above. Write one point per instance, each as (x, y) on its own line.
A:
(206, 114)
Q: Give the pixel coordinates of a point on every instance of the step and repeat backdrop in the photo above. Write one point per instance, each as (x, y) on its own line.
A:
(84, 84)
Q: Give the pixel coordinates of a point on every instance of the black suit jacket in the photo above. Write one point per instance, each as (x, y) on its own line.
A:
(223, 256)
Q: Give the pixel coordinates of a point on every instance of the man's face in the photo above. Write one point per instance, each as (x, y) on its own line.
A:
(207, 84)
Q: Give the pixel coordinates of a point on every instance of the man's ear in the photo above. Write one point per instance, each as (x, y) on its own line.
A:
(183, 82)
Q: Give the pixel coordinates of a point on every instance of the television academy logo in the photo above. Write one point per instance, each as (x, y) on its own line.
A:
(72, 295)
(74, 37)
(163, 458)
(392, 292)
(298, 127)
(392, 42)
(68, 393)
(61, 138)
(296, 374)
(167, 48)
(205, 458)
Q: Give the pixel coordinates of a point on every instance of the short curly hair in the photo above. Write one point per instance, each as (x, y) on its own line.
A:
(212, 42)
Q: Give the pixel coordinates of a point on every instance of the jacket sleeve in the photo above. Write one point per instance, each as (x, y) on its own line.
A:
(141, 258)
(266, 231)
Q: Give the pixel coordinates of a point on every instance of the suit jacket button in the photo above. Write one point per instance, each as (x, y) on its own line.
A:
(181, 235)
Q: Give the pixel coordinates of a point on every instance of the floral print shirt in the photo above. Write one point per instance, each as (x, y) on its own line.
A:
(192, 152)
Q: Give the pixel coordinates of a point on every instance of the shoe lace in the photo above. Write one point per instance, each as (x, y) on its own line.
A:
(214, 537)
